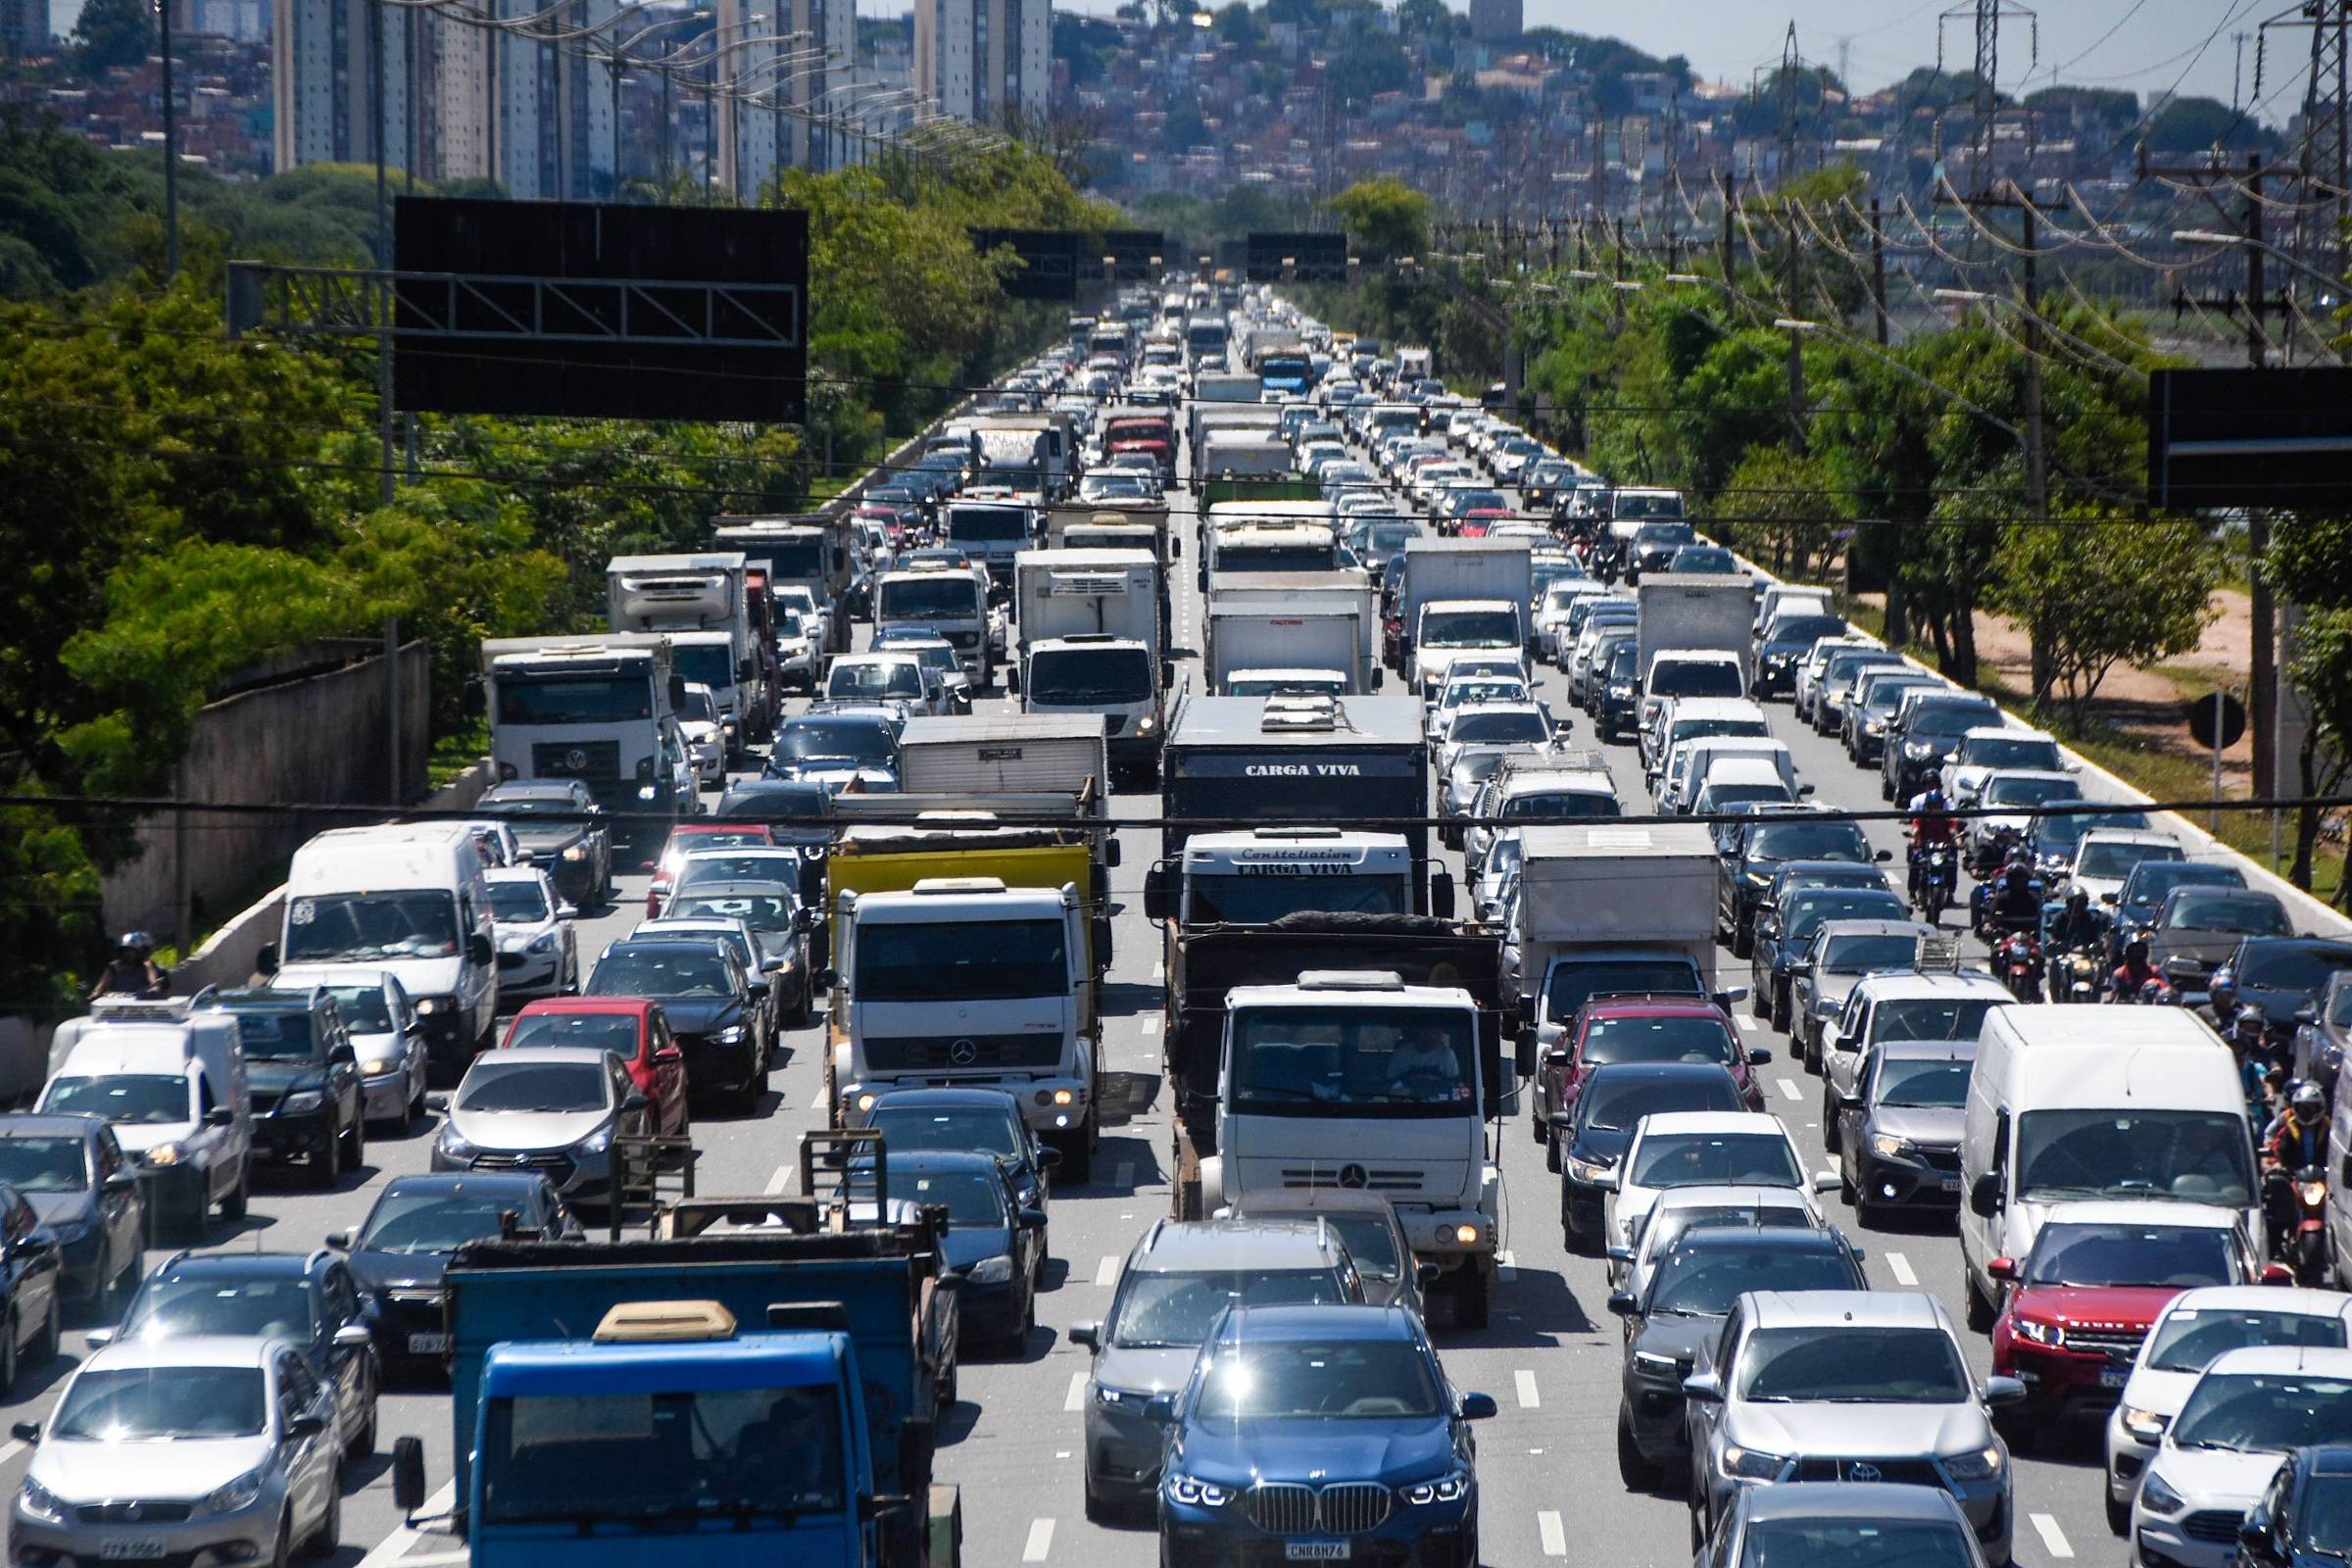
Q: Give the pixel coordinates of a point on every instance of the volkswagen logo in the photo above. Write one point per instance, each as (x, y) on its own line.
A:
(1353, 1176)
(576, 759)
(964, 1052)
(1865, 1472)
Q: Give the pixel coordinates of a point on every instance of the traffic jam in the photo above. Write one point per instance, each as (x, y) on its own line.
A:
(1228, 961)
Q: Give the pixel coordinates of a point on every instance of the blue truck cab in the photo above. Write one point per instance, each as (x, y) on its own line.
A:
(670, 1431)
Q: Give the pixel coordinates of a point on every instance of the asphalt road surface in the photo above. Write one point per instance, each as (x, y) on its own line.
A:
(1547, 1469)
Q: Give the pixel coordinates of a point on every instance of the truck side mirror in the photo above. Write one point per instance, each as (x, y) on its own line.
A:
(1985, 1196)
(1440, 895)
(474, 701)
(265, 961)
(1155, 893)
(479, 953)
(407, 1474)
(1525, 1051)
(1012, 679)
(677, 690)
(1110, 852)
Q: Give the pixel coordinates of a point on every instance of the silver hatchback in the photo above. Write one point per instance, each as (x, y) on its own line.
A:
(208, 1448)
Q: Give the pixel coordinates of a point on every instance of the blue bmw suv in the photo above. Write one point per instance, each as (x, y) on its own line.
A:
(1312, 1433)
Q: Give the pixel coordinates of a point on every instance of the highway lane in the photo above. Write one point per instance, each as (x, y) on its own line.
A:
(1550, 1356)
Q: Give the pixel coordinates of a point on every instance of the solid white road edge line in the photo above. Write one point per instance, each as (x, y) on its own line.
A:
(1075, 1399)
(1041, 1541)
(394, 1547)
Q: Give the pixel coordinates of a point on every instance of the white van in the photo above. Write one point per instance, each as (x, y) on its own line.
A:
(170, 1080)
(409, 899)
(2070, 1103)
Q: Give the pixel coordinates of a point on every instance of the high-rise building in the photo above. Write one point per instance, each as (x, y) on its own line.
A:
(326, 78)
(26, 26)
(771, 57)
(985, 60)
(1496, 21)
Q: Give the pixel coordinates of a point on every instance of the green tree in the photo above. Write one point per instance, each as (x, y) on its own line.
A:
(1384, 218)
(1365, 62)
(114, 32)
(2306, 565)
(2099, 591)
(2193, 124)
(1786, 507)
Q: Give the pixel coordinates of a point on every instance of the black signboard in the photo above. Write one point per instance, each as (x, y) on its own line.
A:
(2250, 438)
(592, 310)
(1133, 255)
(1049, 260)
(1297, 259)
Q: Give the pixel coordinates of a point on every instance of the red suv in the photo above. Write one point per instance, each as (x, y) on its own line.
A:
(1638, 1028)
(2098, 1278)
(687, 837)
(631, 1028)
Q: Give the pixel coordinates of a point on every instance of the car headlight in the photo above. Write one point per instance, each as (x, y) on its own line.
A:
(238, 1494)
(1874, 726)
(1204, 1494)
(1660, 1369)
(596, 1143)
(301, 1103)
(1586, 1171)
(2041, 1333)
(2157, 1498)
(453, 1145)
(1918, 749)
(543, 943)
(1752, 1464)
(39, 1501)
(1888, 1146)
(427, 1007)
(2145, 1424)
(577, 851)
(1978, 1464)
(162, 1154)
(1452, 1487)
(645, 792)
(991, 1271)
(1104, 1394)
(731, 1035)
(377, 1066)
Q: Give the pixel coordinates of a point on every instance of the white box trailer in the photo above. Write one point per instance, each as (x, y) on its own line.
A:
(1345, 591)
(1690, 613)
(1255, 632)
(1460, 568)
(1022, 754)
(1075, 593)
(1640, 900)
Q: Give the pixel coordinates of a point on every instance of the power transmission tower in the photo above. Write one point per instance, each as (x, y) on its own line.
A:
(1985, 17)
(2326, 138)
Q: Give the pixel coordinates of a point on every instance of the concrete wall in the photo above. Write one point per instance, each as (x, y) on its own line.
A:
(307, 737)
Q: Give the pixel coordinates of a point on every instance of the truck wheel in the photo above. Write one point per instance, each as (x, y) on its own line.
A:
(1829, 1115)
(1537, 1125)
(1552, 1150)
(1472, 1292)
(233, 1206)
(1980, 1310)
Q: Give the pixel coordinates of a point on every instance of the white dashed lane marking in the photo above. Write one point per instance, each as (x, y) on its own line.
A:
(1788, 1088)
(1041, 1541)
(1075, 1399)
(1554, 1534)
(1107, 1272)
(1528, 1398)
(2052, 1537)
(1900, 1267)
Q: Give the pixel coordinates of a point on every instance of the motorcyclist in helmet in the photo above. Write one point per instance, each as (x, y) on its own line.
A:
(133, 971)
(2075, 927)
(2134, 972)
(2221, 1008)
(2016, 903)
(1933, 827)
(2295, 1142)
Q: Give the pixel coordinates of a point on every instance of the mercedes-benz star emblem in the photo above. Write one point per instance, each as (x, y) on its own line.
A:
(1353, 1176)
(964, 1052)
(1865, 1472)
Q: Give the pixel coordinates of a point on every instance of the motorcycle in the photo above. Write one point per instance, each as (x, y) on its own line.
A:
(1992, 852)
(1931, 883)
(2297, 1205)
(2017, 962)
(2076, 974)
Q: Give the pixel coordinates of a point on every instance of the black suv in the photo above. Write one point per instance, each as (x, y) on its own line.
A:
(557, 824)
(309, 1300)
(305, 1079)
(1755, 851)
(1922, 738)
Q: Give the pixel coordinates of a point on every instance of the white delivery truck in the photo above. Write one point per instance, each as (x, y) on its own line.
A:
(600, 709)
(1262, 421)
(1025, 754)
(699, 601)
(1694, 613)
(1457, 568)
(1250, 633)
(945, 598)
(2072, 1105)
(1229, 386)
(1090, 643)
(1241, 455)
(1607, 906)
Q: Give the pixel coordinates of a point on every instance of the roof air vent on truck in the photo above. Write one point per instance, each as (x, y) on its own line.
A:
(959, 884)
(647, 1322)
(1350, 980)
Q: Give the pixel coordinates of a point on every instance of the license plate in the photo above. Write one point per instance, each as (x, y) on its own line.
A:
(1951, 1184)
(131, 1549)
(1315, 1551)
(428, 1344)
(2114, 1377)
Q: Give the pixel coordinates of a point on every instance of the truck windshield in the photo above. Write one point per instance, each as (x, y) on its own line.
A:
(1273, 557)
(961, 960)
(635, 1457)
(1263, 895)
(940, 598)
(612, 699)
(2199, 1157)
(1284, 368)
(1470, 628)
(987, 524)
(1354, 1061)
(126, 1099)
(710, 664)
(1090, 675)
(331, 927)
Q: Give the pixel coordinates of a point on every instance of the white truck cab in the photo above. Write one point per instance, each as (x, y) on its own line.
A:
(169, 1077)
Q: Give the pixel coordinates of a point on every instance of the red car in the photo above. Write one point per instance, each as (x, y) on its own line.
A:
(631, 1028)
(2100, 1273)
(687, 837)
(1643, 1028)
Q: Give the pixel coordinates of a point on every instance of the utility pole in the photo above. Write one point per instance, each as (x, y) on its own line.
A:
(2012, 198)
(1724, 245)
(162, 14)
(1799, 435)
(1878, 271)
